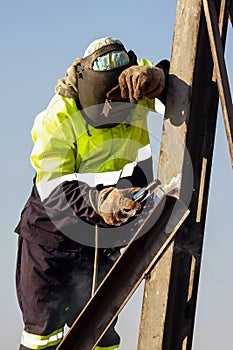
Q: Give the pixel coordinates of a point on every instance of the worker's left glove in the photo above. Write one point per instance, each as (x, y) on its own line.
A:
(136, 82)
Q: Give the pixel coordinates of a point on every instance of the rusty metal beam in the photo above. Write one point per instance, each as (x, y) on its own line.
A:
(130, 269)
(193, 89)
(200, 140)
(171, 161)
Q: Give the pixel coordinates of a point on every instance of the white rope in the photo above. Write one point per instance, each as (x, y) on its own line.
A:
(96, 258)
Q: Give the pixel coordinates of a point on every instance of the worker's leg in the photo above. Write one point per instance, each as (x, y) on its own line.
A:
(39, 291)
(53, 286)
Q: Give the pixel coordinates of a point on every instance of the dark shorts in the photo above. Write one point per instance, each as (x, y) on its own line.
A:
(53, 286)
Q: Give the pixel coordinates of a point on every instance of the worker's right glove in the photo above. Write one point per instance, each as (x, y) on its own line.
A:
(114, 205)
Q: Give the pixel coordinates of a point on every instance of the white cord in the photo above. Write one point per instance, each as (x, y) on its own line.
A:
(96, 258)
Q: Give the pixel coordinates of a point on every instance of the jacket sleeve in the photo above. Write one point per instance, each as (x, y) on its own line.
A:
(164, 65)
(69, 201)
(54, 159)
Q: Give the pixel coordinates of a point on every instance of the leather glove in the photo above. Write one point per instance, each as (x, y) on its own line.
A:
(114, 205)
(138, 81)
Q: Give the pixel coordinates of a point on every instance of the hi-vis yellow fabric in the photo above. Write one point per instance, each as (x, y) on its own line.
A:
(39, 342)
(107, 348)
(64, 144)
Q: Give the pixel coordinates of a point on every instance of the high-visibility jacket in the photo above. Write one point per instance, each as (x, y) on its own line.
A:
(70, 156)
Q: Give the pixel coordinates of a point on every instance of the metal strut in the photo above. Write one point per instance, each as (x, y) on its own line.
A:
(126, 275)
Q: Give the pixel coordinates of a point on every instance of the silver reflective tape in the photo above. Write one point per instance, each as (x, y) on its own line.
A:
(106, 178)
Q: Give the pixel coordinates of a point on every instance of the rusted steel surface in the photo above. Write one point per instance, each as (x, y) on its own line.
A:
(168, 318)
(172, 161)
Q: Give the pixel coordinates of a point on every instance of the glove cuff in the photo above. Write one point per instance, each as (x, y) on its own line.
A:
(165, 66)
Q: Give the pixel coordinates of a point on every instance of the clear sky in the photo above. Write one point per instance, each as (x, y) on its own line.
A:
(39, 40)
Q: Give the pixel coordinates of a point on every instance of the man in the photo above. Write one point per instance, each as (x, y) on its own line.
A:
(90, 156)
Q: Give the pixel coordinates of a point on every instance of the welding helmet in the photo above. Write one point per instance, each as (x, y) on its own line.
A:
(98, 72)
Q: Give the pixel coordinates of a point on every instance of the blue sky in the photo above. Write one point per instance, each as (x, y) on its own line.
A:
(39, 40)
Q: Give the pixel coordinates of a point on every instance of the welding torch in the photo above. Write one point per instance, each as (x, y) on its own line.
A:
(144, 192)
